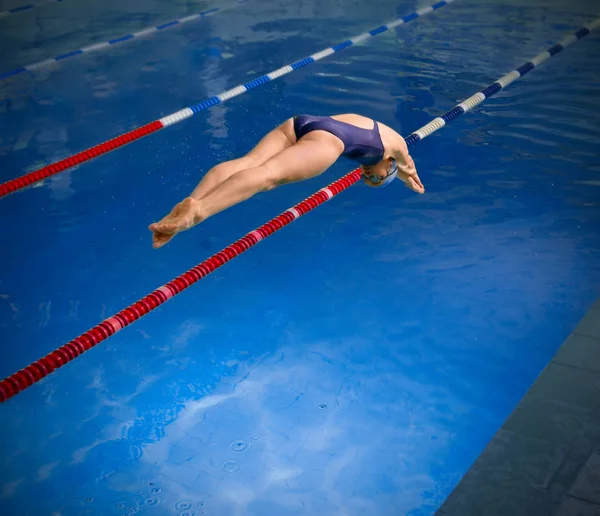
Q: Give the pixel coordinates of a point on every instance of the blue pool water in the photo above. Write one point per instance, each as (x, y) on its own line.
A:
(358, 361)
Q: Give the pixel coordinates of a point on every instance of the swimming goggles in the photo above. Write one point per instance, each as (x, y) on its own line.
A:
(387, 179)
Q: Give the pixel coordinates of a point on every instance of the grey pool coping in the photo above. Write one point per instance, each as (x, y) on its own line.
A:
(545, 460)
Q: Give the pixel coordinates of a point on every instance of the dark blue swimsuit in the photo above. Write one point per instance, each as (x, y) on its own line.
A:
(361, 145)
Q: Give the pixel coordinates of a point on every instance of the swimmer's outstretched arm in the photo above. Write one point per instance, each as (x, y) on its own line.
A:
(407, 171)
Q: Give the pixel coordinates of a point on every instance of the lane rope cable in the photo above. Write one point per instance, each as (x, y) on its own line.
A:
(27, 7)
(113, 41)
(135, 134)
(41, 368)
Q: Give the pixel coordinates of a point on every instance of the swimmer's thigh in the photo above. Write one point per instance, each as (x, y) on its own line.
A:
(271, 144)
(306, 159)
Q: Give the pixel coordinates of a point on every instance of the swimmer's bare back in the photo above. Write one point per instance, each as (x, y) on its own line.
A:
(301, 148)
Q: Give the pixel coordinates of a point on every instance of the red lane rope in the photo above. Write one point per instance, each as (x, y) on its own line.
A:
(174, 118)
(49, 170)
(41, 368)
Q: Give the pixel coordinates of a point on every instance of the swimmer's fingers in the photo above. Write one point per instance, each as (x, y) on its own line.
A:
(415, 185)
(410, 176)
(412, 181)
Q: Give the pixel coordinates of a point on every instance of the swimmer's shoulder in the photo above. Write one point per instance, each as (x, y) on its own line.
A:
(388, 134)
(391, 139)
(359, 121)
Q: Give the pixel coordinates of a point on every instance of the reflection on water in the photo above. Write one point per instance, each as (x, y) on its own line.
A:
(352, 363)
(286, 433)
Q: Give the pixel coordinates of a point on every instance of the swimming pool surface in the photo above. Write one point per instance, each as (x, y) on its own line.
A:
(358, 361)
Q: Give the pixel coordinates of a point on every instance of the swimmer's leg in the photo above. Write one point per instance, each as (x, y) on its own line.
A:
(306, 159)
(271, 144)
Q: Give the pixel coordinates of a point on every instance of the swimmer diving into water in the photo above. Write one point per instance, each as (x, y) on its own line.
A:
(301, 148)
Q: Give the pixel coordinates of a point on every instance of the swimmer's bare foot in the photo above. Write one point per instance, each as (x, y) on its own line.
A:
(183, 216)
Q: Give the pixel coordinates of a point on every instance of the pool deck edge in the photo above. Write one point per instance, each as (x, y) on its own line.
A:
(545, 459)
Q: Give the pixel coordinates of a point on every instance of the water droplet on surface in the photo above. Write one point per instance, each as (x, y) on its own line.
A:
(254, 437)
(153, 483)
(239, 446)
(322, 406)
(231, 466)
(155, 490)
(152, 501)
(183, 505)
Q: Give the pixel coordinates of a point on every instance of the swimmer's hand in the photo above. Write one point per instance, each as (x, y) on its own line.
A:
(407, 173)
(183, 216)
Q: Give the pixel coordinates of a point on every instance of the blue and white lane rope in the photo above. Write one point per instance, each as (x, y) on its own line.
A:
(500, 84)
(49, 170)
(27, 7)
(114, 41)
(284, 70)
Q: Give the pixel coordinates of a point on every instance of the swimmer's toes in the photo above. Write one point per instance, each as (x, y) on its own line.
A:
(167, 227)
(160, 239)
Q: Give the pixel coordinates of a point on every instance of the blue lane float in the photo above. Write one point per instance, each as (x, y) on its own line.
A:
(114, 41)
(499, 85)
(28, 7)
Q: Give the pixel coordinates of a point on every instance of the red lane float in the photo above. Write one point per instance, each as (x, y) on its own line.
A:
(41, 368)
(49, 170)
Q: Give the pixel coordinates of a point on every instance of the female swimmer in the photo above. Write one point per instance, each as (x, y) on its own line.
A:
(301, 148)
